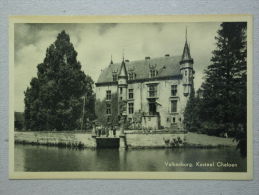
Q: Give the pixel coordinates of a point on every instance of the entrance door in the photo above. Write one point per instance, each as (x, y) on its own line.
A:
(152, 108)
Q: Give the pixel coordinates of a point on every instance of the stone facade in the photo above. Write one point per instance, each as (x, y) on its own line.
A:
(157, 88)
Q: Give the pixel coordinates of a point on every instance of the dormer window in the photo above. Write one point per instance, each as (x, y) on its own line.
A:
(132, 76)
(114, 77)
(153, 71)
(131, 73)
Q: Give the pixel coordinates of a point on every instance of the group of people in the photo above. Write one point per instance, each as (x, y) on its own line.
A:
(105, 131)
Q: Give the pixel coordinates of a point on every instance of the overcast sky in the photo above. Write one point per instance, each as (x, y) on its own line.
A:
(95, 43)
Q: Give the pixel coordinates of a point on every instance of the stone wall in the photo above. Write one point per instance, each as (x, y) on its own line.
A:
(56, 138)
(85, 140)
(132, 140)
(153, 140)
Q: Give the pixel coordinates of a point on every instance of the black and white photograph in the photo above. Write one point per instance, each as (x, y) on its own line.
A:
(147, 98)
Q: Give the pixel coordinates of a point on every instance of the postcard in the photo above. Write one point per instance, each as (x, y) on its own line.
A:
(130, 97)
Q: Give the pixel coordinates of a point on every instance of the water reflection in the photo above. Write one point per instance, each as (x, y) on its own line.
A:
(43, 158)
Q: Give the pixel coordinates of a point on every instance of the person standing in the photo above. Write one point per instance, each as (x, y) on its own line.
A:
(107, 131)
(114, 131)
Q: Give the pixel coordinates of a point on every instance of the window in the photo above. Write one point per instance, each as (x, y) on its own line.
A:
(108, 119)
(132, 75)
(174, 106)
(152, 91)
(120, 90)
(131, 94)
(108, 95)
(186, 73)
(108, 108)
(131, 108)
(173, 90)
(114, 77)
(153, 73)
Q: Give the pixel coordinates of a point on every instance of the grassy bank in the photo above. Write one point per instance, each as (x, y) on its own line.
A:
(205, 141)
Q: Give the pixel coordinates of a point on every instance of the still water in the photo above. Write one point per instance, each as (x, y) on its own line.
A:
(44, 158)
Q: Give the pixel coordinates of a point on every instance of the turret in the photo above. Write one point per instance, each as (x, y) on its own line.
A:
(111, 60)
(186, 67)
(123, 75)
(122, 86)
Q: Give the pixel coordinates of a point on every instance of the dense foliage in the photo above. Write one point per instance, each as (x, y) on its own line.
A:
(192, 112)
(222, 108)
(101, 111)
(55, 98)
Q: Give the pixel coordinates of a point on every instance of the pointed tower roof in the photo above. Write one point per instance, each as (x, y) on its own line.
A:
(123, 70)
(111, 60)
(186, 52)
(186, 56)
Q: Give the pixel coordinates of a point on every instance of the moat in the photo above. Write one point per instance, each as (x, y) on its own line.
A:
(33, 158)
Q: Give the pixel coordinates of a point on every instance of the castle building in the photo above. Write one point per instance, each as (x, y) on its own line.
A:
(158, 88)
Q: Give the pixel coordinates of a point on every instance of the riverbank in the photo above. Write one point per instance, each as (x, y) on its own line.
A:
(206, 141)
(131, 140)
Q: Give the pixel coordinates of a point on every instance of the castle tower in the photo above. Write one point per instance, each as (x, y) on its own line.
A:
(186, 68)
(122, 87)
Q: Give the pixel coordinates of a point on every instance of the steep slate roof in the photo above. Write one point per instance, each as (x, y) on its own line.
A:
(166, 66)
(123, 69)
(186, 52)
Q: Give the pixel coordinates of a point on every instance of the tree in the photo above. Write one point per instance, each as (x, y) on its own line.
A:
(54, 99)
(104, 118)
(192, 113)
(224, 89)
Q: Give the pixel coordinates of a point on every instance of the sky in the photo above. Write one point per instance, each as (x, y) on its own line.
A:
(95, 43)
